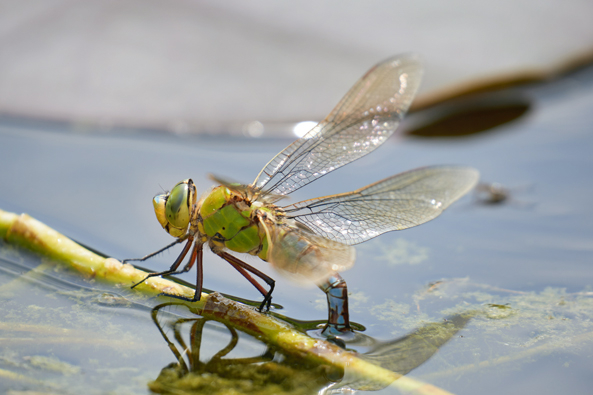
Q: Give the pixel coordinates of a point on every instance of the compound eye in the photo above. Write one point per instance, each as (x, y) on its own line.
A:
(177, 206)
(159, 208)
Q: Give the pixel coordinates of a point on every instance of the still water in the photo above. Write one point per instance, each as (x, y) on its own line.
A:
(524, 262)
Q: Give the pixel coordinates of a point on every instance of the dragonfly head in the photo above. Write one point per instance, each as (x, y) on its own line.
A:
(173, 209)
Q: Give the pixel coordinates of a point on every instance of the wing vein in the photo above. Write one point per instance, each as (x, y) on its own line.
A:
(363, 120)
(395, 203)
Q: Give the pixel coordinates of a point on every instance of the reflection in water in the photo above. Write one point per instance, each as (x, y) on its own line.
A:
(193, 352)
(274, 370)
(402, 355)
(269, 372)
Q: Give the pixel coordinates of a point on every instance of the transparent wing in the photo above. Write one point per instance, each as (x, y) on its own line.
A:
(366, 117)
(395, 203)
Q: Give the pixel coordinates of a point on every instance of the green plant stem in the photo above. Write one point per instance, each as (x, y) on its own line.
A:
(29, 233)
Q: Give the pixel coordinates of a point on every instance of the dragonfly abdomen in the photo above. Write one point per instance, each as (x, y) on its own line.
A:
(305, 256)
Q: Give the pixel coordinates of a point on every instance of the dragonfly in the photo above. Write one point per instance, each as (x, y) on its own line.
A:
(312, 240)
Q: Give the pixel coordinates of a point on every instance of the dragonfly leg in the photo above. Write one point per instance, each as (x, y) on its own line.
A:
(174, 266)
(244, 268)
(154, 253)
(337, 301)
(196, 257)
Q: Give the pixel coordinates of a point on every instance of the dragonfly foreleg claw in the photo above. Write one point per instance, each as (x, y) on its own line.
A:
(265, 305)
(145, 278)
(196, 297)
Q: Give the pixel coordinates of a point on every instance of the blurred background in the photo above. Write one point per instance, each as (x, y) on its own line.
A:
(104, 104)
(212, 67)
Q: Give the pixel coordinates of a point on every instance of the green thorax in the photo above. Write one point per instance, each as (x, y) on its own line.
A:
(229, 220)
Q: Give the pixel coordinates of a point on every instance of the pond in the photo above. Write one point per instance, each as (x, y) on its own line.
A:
(520, 262)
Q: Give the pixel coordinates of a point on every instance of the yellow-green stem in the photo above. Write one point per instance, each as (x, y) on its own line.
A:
(30, 233)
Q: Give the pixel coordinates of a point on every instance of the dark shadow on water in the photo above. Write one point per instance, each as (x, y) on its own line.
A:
(467, 117)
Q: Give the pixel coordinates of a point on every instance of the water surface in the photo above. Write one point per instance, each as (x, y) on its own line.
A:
(525, 263)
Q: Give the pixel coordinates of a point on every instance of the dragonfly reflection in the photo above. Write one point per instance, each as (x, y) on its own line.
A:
(275, 369)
